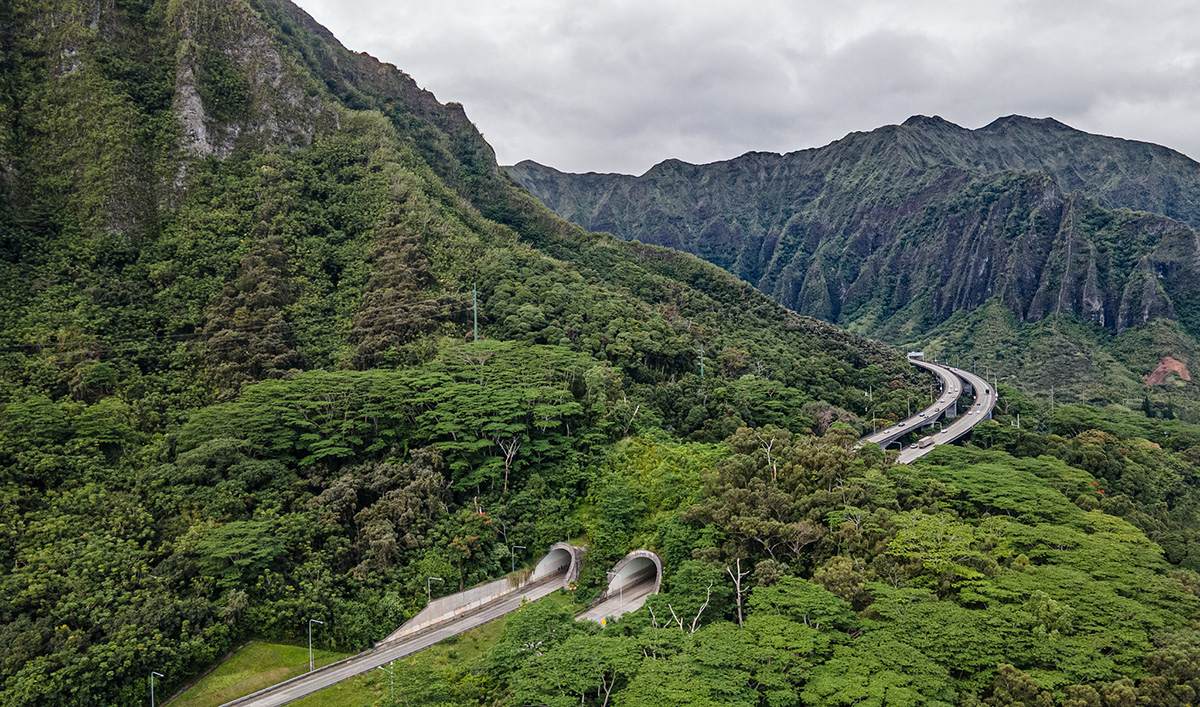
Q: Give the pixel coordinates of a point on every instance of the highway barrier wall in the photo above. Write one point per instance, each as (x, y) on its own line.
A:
(562, 558)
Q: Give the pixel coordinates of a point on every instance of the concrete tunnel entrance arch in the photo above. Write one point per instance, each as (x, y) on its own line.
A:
(635, 568)
(560, 557)
(631, 581)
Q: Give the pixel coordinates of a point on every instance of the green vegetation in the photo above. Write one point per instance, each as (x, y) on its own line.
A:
(240, 388)
(960, 581)
(235, 388)
(251, 668)
(1013, 244)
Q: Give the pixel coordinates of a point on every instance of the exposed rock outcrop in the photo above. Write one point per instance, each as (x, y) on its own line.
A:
(895, 230)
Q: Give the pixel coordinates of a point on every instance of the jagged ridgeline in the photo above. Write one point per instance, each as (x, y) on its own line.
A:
(893, 232)
(238, 382)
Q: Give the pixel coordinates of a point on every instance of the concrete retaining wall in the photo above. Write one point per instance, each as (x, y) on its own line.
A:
(561, 558)
(452, 605)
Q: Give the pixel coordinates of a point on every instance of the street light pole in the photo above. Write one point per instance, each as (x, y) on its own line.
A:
(310, 655)
(513, 564)
(428, 590)
(620, 593)
(152, 674)
(391, 670)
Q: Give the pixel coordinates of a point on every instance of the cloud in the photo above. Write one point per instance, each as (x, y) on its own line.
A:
(619, 85)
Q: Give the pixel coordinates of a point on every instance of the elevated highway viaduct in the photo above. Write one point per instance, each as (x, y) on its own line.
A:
(955, 381)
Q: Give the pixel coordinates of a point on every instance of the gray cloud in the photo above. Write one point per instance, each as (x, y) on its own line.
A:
(619, 85)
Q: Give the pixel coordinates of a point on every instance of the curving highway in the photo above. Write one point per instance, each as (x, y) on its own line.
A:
(954, 381)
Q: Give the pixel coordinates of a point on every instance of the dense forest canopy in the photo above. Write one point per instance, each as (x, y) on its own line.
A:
(240, 387)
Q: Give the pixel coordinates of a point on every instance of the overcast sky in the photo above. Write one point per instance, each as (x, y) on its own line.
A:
(620, 85)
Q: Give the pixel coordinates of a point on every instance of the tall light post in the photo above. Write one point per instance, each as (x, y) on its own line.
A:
(310, 655)
(513, 564)
(620, 593)
(152, 674)
(428, 588)
(391, 670)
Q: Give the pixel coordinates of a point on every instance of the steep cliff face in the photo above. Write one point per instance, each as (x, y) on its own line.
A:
(894, 230)
(210, 171)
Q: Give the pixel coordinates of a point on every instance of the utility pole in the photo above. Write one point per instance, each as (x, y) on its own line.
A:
(513, 568)
(310, 655)
(152, 674)
(390, 670)
(475, 308)
(1052, 397)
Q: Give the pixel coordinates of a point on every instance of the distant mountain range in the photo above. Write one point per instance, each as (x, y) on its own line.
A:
(893, 232)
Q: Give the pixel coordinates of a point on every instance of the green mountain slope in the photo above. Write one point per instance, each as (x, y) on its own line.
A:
(240, 389)
(238, 381)
(894, 231)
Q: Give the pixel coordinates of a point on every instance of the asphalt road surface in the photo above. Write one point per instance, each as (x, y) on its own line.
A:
(985, 400)
(369, 660)
(951, 390)
(635, 596)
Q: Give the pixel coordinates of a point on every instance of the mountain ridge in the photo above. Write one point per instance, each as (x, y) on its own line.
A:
(889, 232)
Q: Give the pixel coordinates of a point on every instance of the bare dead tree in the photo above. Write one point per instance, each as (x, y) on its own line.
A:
(766, 446)
(509, 448)
(799, 534)
(631, 417)
(691, 630)
(737, 585)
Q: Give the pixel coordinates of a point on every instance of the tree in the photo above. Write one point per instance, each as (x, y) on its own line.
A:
(583, 669)
(805, 602)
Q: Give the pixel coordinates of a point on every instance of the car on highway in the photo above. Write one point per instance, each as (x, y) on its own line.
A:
(900, 424)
